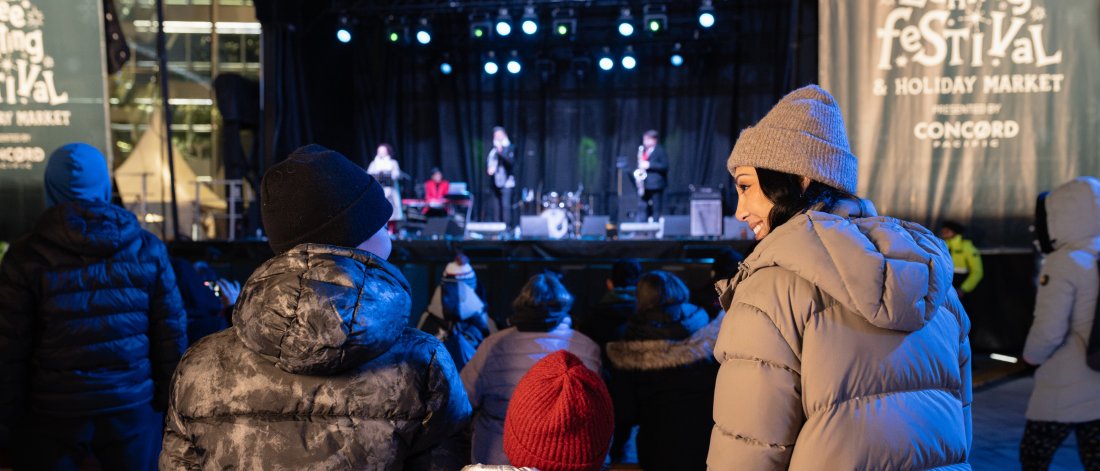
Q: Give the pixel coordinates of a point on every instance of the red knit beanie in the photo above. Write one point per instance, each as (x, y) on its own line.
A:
(560, 417)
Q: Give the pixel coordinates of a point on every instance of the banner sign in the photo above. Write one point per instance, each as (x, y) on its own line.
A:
(966, 109)
(52, 92)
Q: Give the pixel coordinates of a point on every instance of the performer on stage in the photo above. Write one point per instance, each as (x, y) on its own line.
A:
(386, 170)
(500, 163)
(435, 193)
(651, 176)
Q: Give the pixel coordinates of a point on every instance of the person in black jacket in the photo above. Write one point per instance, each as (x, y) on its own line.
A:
(663, 376)
(606, 321)
(653, 161)
(500, 165)
(91, 327)
(320, 369)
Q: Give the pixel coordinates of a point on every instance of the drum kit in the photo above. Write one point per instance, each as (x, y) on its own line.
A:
(563, 212)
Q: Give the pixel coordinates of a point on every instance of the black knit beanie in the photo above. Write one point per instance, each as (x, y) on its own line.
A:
(318, 196)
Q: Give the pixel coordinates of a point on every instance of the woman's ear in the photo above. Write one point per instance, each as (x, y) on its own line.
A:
(805, 183)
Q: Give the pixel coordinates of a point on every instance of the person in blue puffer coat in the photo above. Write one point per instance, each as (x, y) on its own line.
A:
(91, 327)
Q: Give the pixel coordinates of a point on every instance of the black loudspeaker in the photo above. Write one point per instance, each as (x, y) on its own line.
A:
(534, 226)
(595, 226)
(441, 227)
(676, 226)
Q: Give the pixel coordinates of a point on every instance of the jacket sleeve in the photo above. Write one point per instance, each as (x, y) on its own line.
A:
(974, 265)
(177, 450)
(167, 324)
(442, 443)
(1053, 308)
(17, 310)
(966, 395)
(658, 162)
(758, 395)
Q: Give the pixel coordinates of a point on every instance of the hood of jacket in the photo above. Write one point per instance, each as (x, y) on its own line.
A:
(675, 321)
(455, 300)
(321, 309)
(1073, 212)
(92, 228)
(895, 274)
(645, 355)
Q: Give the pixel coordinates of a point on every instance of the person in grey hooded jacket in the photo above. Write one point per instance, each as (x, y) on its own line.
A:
(320, 369)
(844, 345)
(1067, 392)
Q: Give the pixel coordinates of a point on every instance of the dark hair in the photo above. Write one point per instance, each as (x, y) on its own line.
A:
(785, 191)
(625, 272)
(953, 227)
(652, 133)
(660, 288)
(1042, 230)
(543, 292)
(434, 171)
(389, 148)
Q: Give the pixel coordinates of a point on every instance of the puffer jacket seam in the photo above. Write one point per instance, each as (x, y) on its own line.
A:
(746, 358)
(278, 416)
(836, 404)
(771, 322)
(143, 289)
(750, 440)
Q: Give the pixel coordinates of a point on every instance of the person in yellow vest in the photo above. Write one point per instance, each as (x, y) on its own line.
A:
(968, 263)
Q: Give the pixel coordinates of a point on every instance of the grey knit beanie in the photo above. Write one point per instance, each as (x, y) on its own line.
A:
(802, 135)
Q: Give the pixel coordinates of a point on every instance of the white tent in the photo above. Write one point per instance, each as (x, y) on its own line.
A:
(144, 177)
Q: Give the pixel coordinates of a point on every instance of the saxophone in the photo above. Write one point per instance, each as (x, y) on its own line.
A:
(639, 173)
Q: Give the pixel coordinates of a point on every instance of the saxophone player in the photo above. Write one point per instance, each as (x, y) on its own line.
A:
(651, 177)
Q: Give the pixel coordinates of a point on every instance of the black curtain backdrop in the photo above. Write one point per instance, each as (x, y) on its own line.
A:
(568, 119)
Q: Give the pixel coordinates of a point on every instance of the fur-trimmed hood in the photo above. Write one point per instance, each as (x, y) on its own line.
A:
(646, 355)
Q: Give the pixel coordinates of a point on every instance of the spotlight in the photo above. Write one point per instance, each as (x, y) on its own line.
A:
(424, 32)
(513, 66)
(629, 61)
(343, 33)
(480, 26)
(396, 32)
(676, 59)
(655, 19)
(504, 23)
(605, 63)
(565, 23)
(491, 66)
(706, 14)
(530, 24)
(626, 23)
(446, 68)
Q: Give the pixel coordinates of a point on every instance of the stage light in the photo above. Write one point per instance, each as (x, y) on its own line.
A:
(706, 14)
(504, 23)
(343, 34)
(514, 66)
(530, 24)
(480, 26)
(491, 68)
(629, 62)
(446, 68)
(396, 32)
(606, 63)
(655, 19)
(626, 23)
(424, 32)
(676, 59)
(565, 23)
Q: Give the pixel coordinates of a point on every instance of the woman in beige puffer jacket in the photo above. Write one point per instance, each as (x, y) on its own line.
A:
(844, 345)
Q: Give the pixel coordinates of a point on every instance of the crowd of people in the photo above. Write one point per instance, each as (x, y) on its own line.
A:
(840, 342)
